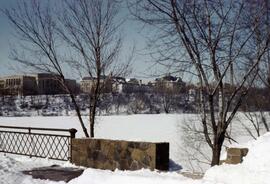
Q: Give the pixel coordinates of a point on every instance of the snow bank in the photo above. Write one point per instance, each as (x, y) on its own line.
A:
(11, 167)
(131, 177)
(254, 169)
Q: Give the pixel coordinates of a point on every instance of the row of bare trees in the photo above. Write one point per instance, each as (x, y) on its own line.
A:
(218, 43)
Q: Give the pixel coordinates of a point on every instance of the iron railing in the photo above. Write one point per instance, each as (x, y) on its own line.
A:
(37, 142)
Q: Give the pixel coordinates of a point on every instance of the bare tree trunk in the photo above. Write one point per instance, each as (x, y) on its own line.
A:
(92, 114)
(78, 112)
(92, 120)
(216, 155)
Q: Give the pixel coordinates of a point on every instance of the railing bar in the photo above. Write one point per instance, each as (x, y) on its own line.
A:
(34, 156)
(36, 128)
(54, 135)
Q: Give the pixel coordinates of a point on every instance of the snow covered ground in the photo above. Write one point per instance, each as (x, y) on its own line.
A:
(11, 167)
(154, 128)
(254, 170)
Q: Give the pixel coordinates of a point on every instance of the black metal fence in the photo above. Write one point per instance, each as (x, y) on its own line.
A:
(37, 142)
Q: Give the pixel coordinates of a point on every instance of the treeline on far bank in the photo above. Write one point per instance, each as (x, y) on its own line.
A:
(186, 101)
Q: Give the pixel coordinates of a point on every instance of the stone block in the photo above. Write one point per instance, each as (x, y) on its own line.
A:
(162, 156)
(235, 155)
(237, 151)
(234, 159)
(124, 155)
(244, 151)
(234, 151)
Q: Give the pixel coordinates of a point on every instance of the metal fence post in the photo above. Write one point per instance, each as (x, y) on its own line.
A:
(31, 143)
(73, 132)
(72, 136)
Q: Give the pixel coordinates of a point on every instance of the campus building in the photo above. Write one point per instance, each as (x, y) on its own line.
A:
(87, 84)
(35, 84)
(19, 85)
(132, 86)
(170, 83)
(50, 84)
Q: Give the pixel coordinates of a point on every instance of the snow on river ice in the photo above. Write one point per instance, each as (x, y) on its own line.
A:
(152, 128)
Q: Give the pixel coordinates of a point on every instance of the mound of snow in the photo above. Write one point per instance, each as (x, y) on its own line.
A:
(12, 165)
(254, 169)
(258, 157)
(143, 176)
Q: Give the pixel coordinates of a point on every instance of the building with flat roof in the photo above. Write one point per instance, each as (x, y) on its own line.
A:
(87, 84)
(169, 82)
(51, 84)
(36, 84)
(19, 85)
(132, 85)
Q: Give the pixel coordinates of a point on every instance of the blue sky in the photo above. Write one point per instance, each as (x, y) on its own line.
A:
(5, 39)
(132, 35)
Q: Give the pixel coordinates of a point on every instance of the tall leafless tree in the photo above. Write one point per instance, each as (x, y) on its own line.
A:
(78, 33)
(206, 38)
(92, 30)
(35, 26)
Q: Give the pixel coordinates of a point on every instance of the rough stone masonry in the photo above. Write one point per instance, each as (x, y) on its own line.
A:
(123, 155)
(235, 155)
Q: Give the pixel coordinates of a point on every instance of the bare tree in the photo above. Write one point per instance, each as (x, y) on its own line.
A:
(256, 111)
(35, 25)
(167, 95)
(81, 34)
(193, 150)
(206, 38)
(119, 100)
(137, 103)
(91, 29)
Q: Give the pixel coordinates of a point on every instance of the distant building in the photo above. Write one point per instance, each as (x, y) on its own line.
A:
(117, 84)
(127, 86)
(2, 86)
(169, 82)
(50, 84)
(133, 86)
(87, 84)
(36, 84)
(19, 85)
(134, 81)
(114, 85)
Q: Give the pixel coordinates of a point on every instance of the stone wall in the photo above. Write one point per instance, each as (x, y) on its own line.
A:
(235, 155)
(123, 155)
